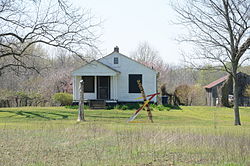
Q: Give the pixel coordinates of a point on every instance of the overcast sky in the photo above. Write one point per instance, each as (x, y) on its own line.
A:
(128, 22)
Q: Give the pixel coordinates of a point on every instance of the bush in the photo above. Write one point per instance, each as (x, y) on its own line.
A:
(163, 108)
(137, 105)
(153, 106)
(63, 98)
(127, 106)
(124, 107)
(72, 106)
(110, 107)
(184, 93)
(133, 106)
(118, 107)
(76, 106)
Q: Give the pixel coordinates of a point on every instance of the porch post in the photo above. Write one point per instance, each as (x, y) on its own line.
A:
(115, 87)
(95, 82)
(74, 88)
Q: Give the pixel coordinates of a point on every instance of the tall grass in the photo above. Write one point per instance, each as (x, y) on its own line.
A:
(97, 144)
(104, 140)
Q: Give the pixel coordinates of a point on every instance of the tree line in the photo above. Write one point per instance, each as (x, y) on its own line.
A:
(26, 87)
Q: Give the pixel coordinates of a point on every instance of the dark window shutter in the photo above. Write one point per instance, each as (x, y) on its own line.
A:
(133, 86)
(89, 84)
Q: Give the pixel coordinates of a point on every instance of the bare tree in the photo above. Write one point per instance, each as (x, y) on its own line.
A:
(221, 31)
(177, 75)
(55, 23)
(148, 56)
(54, 77)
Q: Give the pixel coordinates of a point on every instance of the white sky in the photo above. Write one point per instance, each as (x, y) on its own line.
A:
(128, 22)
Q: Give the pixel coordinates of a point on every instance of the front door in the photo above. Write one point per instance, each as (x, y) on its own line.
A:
(103, 87)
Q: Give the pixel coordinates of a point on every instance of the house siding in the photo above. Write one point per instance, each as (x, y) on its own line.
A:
(127, 66)
(119, 77)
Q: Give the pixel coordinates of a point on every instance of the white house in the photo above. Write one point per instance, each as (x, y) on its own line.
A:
(114, 79)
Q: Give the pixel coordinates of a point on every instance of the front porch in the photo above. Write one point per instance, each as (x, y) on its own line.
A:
(96, 88)
(100, 82)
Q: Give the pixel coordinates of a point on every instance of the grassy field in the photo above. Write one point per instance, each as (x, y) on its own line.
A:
(37, 136)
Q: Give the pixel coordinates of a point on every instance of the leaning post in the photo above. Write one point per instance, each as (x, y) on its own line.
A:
(150, 116)
(81, 103)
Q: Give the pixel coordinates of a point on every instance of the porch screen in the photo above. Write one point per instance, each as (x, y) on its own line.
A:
(133, 86)
(89, 84)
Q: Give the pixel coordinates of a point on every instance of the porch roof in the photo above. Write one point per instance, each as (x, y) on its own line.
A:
(95, 68)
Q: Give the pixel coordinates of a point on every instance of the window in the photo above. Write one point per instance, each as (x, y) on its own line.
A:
(115, 60)
(133, 86)
(89, 84)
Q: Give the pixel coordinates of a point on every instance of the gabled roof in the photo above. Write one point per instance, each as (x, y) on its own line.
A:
(216, 82)
(74, 72)
(109, 67)
(127, 58)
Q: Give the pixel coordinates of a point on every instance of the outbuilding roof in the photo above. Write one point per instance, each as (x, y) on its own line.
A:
(216, 82)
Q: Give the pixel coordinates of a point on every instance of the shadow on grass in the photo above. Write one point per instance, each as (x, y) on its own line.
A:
(172, 107)
(27, 114)
(107, 117)
(46, 115)
(32, 115)
(176, 107)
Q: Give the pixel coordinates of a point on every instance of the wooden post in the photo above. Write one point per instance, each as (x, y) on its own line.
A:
(81, 103)
(150, 117)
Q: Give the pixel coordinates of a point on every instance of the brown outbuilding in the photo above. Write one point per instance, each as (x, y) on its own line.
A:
(220, 91)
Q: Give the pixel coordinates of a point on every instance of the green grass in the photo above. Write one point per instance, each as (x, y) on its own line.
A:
(39, 136)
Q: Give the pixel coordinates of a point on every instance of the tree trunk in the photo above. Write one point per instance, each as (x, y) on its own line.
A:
(236, 99)
(81, 103)
(26, 101)
(8, 103)
(170, 101)
(219, 96)
(224, 93)
(16, 101)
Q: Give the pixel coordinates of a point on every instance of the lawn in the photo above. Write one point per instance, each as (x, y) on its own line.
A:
(39, 136)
